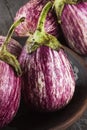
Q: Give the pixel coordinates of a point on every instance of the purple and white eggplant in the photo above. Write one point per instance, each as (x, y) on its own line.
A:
(48, 80)
(73, 18)
(10, 85)
(31, 12)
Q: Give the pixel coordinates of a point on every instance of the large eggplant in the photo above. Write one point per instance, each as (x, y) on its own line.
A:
(48, 80)
(10, 83)
(31, 12)
(73, 18)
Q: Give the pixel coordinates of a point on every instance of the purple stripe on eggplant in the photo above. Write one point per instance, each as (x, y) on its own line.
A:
(74, 26)
(48, 80)
(31, 11)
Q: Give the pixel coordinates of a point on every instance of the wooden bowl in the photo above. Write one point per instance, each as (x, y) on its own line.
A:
(62, 119)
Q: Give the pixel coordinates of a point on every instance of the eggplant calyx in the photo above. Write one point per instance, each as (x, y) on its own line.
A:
(40, 37)
(42, 40)
(59, 6)
(11, 60)
(5, 55)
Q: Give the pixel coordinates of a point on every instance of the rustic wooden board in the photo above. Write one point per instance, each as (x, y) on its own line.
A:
(8, 9)
(5, 18)
(14, 5)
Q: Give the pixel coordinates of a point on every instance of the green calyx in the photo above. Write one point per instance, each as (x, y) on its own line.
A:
(59, 6)
(7, 56)
(40, 37)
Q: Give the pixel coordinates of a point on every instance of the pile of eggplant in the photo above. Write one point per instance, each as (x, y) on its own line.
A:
(40, 71)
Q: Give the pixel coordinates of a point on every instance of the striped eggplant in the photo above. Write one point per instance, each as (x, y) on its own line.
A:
(31, 12)
(73, 23)
(48, 80)
(10, 83)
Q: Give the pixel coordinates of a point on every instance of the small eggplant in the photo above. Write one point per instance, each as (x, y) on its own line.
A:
(73, 21)
(10, 85)
(31, 12)
(48, 82)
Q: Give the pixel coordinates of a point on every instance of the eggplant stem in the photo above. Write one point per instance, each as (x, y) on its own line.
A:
(59, 6)
(40, 37)
(7, 56)
(11, 30)
(43, 15)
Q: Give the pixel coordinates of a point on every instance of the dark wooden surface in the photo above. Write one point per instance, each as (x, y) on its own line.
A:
(8, 10)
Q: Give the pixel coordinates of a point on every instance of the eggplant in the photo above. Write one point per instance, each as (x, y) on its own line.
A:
(48, 82)
(73, 21)
(10, 83)
(31, 12)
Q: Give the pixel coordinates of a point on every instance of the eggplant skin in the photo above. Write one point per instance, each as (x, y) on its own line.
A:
(74, 26)
(31, 11)
(13, 47)
(48, 80)
(10, 91)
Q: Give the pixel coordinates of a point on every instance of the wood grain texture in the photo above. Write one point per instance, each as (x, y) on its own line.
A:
(5, 18)
(14, 5)
(8, 10)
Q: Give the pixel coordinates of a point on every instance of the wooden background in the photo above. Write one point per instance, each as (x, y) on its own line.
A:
(8, 10)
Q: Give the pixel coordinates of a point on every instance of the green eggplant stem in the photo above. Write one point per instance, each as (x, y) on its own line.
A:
(59, 6)
(43, 15)
(40, 37)
(7, 56)
(11, 30)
